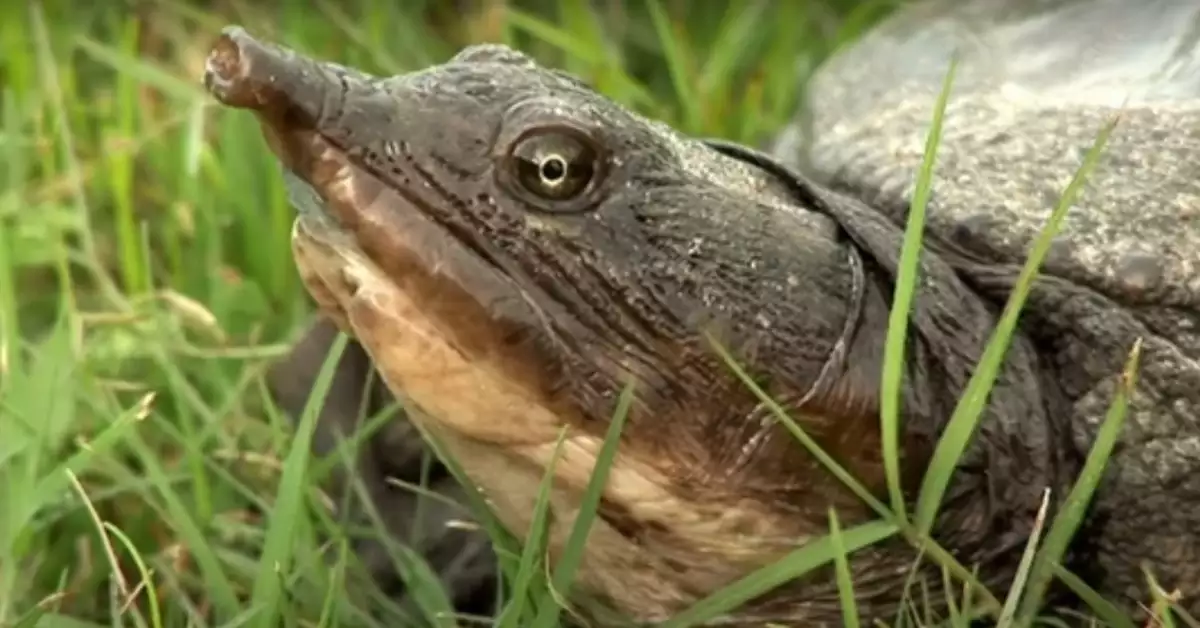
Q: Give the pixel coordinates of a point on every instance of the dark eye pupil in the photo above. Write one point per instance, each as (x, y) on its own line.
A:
(555, 165)
(554, 169)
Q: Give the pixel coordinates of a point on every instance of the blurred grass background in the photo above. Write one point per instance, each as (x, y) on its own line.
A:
(146, 277)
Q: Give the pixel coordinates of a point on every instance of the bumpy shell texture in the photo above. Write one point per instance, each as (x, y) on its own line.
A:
(1036, 82)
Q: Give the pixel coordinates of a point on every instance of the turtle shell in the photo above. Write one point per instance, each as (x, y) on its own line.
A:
(1036, 82)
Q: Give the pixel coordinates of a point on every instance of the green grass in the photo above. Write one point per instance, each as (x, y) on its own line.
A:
(146, 280)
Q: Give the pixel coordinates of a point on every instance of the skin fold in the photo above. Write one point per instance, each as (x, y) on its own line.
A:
(510, 250)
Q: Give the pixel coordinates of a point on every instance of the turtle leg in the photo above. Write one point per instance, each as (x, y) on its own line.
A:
(1143, 527)
(1143, 521)
(462, 558)
(1143, 531)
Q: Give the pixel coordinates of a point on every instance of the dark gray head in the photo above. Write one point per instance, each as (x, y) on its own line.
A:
(512, 249)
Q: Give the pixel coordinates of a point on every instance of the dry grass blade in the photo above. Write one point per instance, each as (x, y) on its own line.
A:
(1009, 612)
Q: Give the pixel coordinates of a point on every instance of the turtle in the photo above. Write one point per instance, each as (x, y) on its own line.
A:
(512, 251)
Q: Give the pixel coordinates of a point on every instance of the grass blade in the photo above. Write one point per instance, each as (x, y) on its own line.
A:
(1072, 511)
(535, 541)
(147, 583)
(507, 548)
(812, 446)
(845, 580)
(906, 282)
(572, 553)
(1106, 611)
(675, 54)
(961, 427)
(1018, 586)
(797, 563)
(742, 22)
(921, 541)
(576, 48)
(267, 592)
(1161, 609)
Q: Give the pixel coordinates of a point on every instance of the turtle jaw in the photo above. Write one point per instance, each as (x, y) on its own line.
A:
(654, 548)
(415, 356)
(505, 436)
(446, 329)
(397, 284)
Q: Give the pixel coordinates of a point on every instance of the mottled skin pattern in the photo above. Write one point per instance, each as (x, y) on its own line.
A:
(412, 220)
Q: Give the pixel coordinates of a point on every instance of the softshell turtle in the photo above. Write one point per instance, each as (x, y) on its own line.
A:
(510, 249)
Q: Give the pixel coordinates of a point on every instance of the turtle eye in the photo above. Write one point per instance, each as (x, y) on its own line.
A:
(555, 164)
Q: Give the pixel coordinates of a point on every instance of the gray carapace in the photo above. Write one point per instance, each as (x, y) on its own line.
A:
(509, 249)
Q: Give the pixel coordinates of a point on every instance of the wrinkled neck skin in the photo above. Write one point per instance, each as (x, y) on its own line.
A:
(1018, 448)
(501, 324)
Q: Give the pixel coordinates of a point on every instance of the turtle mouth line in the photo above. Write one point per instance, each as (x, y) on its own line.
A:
(326, 269)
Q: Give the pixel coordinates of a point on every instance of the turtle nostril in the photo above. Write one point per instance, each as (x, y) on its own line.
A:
(225, 69)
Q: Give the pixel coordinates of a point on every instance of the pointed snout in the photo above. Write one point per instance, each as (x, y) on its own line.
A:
(277, 82)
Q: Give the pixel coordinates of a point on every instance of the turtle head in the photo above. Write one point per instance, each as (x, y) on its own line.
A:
(514, 251)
